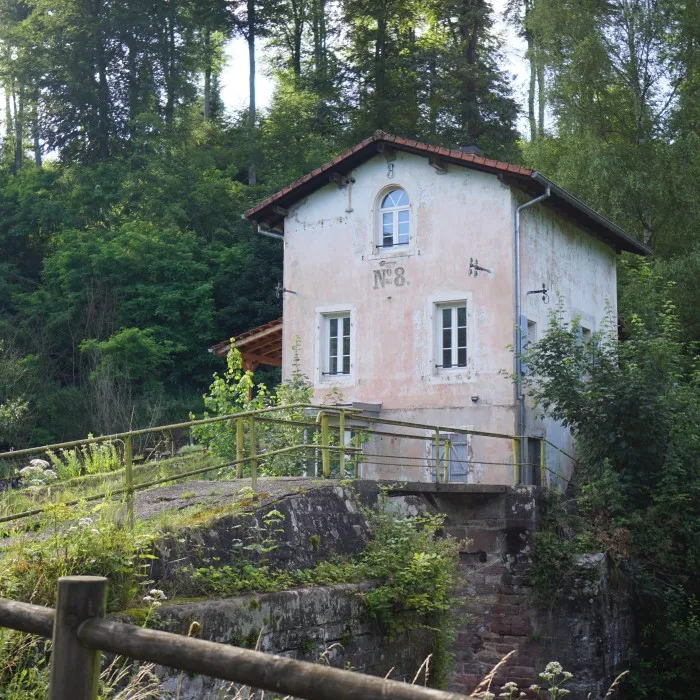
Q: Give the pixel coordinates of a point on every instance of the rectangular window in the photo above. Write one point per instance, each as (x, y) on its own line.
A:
(530, 471)
(452, 335)
(337, 344)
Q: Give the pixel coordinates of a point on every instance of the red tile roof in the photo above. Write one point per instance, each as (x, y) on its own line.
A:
(398, 142)
(270, 212)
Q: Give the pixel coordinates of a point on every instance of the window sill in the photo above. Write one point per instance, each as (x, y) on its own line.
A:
(390, 252)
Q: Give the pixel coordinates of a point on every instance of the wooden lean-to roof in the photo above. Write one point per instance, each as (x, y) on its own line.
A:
(259, 346)
(270, 213)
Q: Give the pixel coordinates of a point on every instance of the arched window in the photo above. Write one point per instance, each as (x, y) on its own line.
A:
(395, 218)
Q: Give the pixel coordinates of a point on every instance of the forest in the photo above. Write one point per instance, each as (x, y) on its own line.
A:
(123, 255)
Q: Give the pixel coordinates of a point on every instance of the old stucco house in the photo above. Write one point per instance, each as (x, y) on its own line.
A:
(411, 271)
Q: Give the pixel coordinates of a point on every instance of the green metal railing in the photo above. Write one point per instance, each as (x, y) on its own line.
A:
(329, 426)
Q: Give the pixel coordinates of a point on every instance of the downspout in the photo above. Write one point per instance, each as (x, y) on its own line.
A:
(270, 234)
(517, 344)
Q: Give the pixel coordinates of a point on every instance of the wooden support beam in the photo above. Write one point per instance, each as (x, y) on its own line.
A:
(340, 180)
(438, 164)
(261, 359)
(387, 151)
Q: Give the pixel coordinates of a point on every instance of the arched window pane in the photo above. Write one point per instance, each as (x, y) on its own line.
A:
(395, 198)
(395, 219)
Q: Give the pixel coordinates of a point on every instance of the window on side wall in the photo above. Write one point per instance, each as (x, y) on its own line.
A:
(336, 344)
(451, 335)
(394, 219)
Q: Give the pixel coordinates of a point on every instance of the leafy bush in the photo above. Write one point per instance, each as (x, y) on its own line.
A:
(235, 392)
(93, 458)
(634, 409)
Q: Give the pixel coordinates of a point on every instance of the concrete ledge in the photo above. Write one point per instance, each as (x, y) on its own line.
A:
(431, 487)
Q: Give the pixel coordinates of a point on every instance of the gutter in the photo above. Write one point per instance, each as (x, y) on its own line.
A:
(517, 345)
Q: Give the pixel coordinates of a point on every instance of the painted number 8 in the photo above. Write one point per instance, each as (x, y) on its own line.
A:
(399, 277)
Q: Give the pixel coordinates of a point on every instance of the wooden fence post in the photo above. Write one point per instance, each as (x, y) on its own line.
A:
(325, 454)
(437, 455)
(75, 669)
(447, 461)
(358, 448)
(253, 454)
(129, 476)
(341, 429)
(240, 437)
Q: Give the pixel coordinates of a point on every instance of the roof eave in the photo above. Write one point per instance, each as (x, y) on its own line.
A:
(621, 240)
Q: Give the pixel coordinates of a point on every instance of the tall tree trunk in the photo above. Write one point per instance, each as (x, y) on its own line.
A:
(171, 77)
(380, 86)
(541, 93)
(36, 131)
(19, 127)
(252, 179)
(132, 82)
(470, 28)
(531, 88)
(9, 124)
(207, 73)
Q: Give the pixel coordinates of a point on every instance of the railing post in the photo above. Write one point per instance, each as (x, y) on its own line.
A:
(129, 476)
(253, 453)
(240, 449)
(356, 457)
(75, 669)
(325, 454)
(437, 455)
(543, 460)
(446, 461)
(341, 430)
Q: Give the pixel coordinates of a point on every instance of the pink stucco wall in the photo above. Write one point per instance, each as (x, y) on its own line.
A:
(332, 264)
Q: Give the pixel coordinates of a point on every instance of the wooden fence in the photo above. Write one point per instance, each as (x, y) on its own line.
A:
(80, 634)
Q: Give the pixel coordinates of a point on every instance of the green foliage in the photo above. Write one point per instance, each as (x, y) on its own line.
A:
(14, 408)
(634, 408)
(94, 544)
(235, 392)
(94, 458)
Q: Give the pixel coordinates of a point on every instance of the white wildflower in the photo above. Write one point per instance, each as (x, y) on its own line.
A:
(509, 686)
(488, 696)
(84, 522)
(546, 676)
(553, 667)
(50, 474)
(148, 598)
(39, 464)
(562, 691)
(157, 604)
(158, 594)
(95, 531)
(26, 471)
(567, 676)
(534, 688)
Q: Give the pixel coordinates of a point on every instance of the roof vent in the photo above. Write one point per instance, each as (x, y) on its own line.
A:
(471, 148)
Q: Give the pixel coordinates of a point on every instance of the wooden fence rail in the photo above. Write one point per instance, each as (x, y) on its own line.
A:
(80, 633)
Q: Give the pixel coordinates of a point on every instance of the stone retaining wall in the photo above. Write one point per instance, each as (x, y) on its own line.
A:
(328, 624)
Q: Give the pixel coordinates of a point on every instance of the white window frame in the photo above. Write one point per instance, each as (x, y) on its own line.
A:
(337, 327)
(454, 307)
(395, 216)
(324, 315)
(439, 375)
